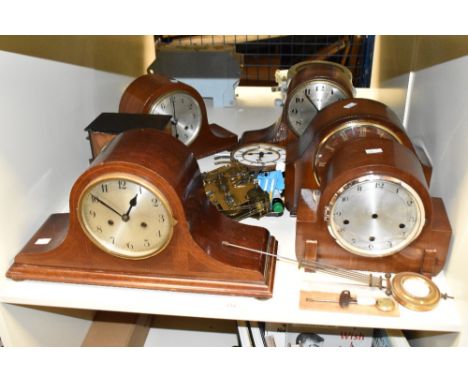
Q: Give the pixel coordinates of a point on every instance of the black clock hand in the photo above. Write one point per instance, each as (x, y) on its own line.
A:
(310, 100)
(106, 205)
(174, 117)
(133, 202)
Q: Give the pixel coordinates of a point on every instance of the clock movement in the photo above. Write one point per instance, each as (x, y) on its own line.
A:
(313, 85)
(139, 217)
(372, 211)
(158, 94)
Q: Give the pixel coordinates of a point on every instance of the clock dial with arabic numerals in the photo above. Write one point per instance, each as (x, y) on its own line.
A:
(375, 216)
(307, 99)
(126, 217)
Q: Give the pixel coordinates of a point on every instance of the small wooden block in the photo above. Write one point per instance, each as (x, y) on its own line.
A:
(118, 330)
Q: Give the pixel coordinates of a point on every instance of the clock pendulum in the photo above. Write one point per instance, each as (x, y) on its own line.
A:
(411, 290)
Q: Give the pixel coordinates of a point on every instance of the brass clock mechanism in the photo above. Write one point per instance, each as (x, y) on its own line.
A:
(233, 190)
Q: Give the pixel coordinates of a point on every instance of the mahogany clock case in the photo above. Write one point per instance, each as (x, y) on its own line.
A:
(426, 254)
(107, 126)
(280, 132)
(195, 259)
(145, 90)
(335, 126)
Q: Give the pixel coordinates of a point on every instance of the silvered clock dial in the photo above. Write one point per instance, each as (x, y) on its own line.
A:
(375, 216)
(308, 98)
(185, 112)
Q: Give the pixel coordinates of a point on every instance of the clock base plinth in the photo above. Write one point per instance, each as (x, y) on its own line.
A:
(425, 255)
(61, 260)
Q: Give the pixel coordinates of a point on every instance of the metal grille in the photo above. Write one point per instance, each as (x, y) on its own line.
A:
(262, 55)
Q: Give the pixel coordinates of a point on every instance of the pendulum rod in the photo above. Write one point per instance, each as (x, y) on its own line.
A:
(367, 279)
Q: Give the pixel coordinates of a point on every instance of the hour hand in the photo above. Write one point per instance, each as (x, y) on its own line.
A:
(306, 94)
(133, 203)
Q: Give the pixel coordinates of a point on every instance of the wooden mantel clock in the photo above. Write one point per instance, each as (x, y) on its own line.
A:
(157, 94)
(313, 85)
(139, 218)
(369, 208)
(334, 127)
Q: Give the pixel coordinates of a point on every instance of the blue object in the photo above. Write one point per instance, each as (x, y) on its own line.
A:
(271, 182)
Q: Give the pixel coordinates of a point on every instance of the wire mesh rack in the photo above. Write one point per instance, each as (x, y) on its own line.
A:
(262, 55)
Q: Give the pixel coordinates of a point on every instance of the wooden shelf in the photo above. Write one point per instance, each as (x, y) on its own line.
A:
(255, 109)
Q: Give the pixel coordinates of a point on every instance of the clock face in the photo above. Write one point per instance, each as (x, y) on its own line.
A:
(185, 112)
(125, 216)
(261, 156)
(347, 132)
(307, 99)
(375, 216)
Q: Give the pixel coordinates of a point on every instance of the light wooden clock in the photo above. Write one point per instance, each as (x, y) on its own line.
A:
(139, 218)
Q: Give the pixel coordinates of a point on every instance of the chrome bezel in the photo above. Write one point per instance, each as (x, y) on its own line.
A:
(333, 229)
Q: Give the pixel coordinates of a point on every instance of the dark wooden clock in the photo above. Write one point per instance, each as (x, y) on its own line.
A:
(139, 217)
(158, 94)
(335, 126)
(313, 85)
(372, 211)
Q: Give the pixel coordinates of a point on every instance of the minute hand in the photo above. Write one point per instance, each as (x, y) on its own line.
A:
(106, 205)
(310, 100)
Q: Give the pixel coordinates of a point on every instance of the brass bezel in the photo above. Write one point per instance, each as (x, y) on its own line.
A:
(344, 126)
(411, 301)
(113, 176)
(293, 70)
